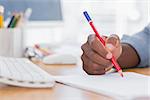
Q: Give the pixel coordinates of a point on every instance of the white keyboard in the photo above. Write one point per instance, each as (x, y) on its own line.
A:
(22, 72)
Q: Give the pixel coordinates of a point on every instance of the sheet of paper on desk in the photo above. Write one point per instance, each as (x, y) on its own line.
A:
(130, 86)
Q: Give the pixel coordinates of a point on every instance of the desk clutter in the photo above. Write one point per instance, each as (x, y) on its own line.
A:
(37, 52)
(11, 32)
(49, 56)
(16, 19)
(12, 41)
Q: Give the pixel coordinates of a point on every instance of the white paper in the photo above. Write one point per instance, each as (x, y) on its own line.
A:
(131, 85)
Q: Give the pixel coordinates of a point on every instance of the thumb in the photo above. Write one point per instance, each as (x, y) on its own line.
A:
(112, 42)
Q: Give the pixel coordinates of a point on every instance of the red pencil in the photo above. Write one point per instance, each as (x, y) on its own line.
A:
(113, 60)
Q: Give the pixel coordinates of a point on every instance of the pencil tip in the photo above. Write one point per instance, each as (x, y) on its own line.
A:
(120, 72)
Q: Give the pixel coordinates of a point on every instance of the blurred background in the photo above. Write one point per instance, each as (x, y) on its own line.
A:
(61, 22)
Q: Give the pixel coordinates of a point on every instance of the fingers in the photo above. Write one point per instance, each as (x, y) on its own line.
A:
(96, 56)
(91, 67)
(92, 62)
(98, 47)
(108, 68)
(114, 46)
(93, 56)
(112, 42)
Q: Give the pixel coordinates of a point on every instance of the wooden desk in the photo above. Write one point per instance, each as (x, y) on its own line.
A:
(59, 91)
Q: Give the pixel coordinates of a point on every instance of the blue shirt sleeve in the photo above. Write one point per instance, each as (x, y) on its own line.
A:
(141, 43)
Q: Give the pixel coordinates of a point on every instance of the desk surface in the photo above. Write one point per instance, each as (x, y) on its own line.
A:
(59, 91)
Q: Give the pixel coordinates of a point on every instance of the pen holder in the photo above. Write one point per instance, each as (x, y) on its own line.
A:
(11, 42)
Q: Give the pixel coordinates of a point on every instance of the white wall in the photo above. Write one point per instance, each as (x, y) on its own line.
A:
(109, 16)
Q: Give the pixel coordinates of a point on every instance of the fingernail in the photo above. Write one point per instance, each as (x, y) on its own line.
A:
(109, 55)
(104, 37)
(110, 46)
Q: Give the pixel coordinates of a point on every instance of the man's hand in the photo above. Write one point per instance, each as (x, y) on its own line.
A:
(96, 57)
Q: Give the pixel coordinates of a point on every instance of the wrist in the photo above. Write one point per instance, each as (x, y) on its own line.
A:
(129, 56)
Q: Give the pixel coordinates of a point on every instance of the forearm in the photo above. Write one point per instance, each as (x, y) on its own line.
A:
(129, 57)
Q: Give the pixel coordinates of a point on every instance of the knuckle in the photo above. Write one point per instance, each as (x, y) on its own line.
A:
(90, 73)
(115, 36)
(83, 66)
(90, 53)
(86, 70)
(114, 40)
(83, 46)
(91, 36)
(84, 62)
(93, 42)
(82, 57)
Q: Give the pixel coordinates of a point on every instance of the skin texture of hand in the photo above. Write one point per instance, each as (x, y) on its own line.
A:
(96, 57)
